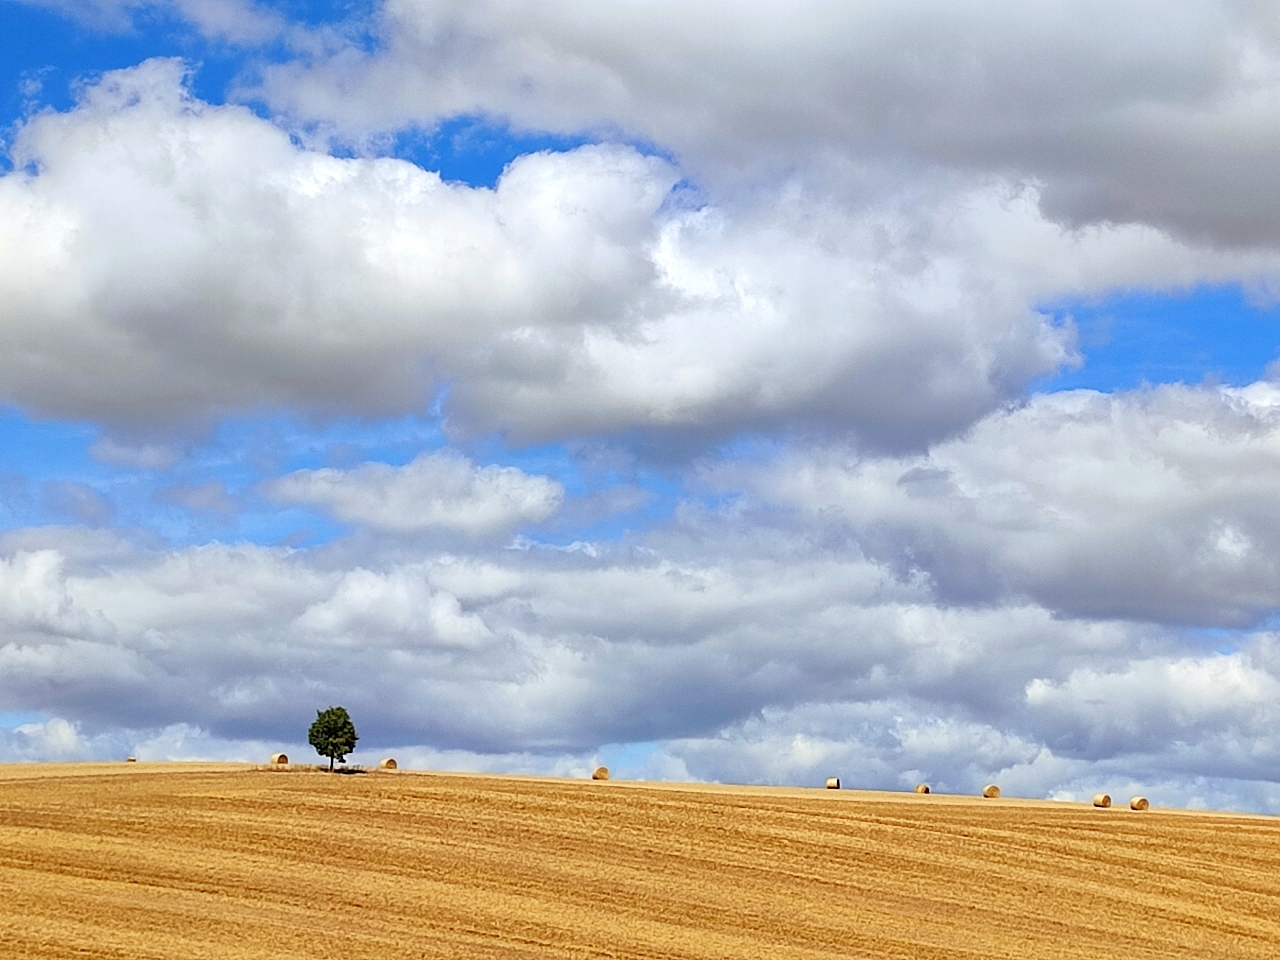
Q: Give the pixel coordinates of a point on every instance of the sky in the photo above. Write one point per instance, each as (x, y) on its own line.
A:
(739, 392)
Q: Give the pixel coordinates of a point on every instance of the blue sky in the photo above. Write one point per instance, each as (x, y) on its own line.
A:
(704, 415)
(1209, 332)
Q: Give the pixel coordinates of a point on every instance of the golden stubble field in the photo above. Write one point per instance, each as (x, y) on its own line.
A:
(221, 861)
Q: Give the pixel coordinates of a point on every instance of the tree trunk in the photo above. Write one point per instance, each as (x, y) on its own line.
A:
(331, 764)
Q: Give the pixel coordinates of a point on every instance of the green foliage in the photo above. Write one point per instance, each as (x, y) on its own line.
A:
(333, 734)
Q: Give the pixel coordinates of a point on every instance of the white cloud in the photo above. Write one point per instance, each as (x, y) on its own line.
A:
(34, 597)
(892, 745)
(884, 744)
(743, 653)
(232, 21)
(53, 739)
(146, 456)
(436, 491)
(71, 662)
(400, 608)
(57, 739)
(167, 261)
(1169, 125)
(1158, 504)
(1198, 697)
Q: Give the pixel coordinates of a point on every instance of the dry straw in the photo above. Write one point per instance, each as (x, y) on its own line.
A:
(387, 763)
(600, 773)
(279, 759)
(1101, 800)
(922, 788)
(1139, 803)
(991, 791)
(833, 783)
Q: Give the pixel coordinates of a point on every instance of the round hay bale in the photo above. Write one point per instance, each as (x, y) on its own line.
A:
(130, 759)
(1101, 800)
(991, 791)
(1139, 803)
(387, 763)
(833, 783)
(279, 759)
(922, 788)
(600, 773)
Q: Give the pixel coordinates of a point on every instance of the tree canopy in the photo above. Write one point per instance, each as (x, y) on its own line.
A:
(333, 734)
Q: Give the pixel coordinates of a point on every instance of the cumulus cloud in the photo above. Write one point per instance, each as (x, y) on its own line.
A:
(894, 744)
(518, 651)
(1170, 124)
(745, 656)
(57, 739)
(1222, 709)
(53, 739)
(173, 259)
(34, 597)
(888, 744)
(436, 491)
(1168, 127)
(1158, 504)
(167, 261)
(399, 608)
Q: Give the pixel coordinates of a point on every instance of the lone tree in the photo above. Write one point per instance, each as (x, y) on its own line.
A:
(333, 734)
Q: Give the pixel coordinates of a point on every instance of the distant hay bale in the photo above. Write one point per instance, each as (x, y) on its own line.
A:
(833, 783)
(387, 763)
(922, 788)
(1101, 800)
(130, 759)
(279, 759)
(1139, 803)
(991, 791)
(600, 773)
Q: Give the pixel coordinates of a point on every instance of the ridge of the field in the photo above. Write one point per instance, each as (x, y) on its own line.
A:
(184, 860)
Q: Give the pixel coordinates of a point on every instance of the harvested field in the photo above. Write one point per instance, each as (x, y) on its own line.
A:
(180, 860)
